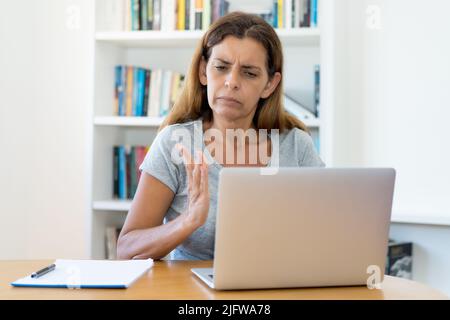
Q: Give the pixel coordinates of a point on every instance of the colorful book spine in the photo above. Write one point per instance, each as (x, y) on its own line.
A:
(150, 14)
(317, 90)
(143, 13)
(122, 173)
(280, 14)
(198, 14)
(129, 100)
(135, 99)
(181, 9)
(275, 14)
(206, 21)
(146, 93)
(314, 13)
(157, 14)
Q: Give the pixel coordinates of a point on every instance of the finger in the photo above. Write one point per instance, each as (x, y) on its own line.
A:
(196, 175)
(204, 175)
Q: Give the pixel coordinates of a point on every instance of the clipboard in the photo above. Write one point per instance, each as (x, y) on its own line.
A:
(79, 274)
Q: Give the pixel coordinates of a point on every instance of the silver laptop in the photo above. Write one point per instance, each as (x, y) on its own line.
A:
(301, 227)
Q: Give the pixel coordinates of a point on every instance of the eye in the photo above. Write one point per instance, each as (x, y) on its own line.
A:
(250, 74)
(220, 67)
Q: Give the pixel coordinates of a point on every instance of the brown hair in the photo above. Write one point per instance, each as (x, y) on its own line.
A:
(193, 100)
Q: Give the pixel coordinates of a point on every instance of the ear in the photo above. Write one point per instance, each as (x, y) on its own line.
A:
(271, 85)
(202, 72)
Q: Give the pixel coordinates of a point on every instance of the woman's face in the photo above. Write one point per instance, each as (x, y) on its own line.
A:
(236, 78)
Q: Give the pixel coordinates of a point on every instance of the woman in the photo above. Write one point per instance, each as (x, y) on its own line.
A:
(234, 83)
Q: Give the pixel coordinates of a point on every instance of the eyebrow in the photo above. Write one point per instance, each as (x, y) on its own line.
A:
(247, 66)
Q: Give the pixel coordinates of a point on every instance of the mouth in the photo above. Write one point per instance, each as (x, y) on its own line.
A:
(229, 100)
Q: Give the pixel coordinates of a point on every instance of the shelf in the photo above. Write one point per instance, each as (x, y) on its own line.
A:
(156, 122)
(128, 121)
(171, 39)
(429, 219)
(112, 205)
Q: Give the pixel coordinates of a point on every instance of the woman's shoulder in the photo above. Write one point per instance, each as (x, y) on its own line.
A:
(295, 135)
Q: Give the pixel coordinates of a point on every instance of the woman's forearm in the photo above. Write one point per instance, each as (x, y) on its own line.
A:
(155, 242)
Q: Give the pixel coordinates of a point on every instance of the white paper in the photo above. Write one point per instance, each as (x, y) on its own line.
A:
(89, 274)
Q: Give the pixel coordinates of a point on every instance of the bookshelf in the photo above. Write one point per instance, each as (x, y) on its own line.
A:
(303, 47)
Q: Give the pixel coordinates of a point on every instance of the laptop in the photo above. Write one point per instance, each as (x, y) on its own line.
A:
(301, 227)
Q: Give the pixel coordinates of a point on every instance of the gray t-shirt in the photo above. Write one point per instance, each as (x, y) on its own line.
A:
(296, 149)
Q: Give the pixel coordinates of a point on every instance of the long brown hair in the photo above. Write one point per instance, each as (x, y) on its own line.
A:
(193, 101)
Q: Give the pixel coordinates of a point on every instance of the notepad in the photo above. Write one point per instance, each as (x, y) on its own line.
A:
(111, 274)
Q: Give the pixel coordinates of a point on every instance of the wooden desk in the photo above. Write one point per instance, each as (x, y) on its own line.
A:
(174, 280)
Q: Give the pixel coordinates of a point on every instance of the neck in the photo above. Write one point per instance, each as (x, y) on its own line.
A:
(223, 124)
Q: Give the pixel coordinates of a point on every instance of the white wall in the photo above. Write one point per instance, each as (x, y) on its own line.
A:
(45, 91)
(392, 108)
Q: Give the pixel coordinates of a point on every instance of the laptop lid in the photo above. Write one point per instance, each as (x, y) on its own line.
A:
(301, 227)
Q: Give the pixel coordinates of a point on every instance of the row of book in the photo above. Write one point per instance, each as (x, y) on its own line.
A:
(126, 174)
(294, 14)
(143, 92)
(169, 15)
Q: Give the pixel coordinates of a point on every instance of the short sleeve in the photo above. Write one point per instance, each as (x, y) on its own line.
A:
(310, 157)
(158, 162)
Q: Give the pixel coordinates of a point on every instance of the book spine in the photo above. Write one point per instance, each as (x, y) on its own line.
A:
(122, 173)
(280, 14)
(275, 14)
(198, 14)
(181, 13)
(143, 11)
(287, 13)
(192, 10)
(122, 88)
(115, 171)
(156, 14)
(141, 92)
(135, 15)
(133, 173)
(316, 90)
(187, 14)
(116, 89)
(313, 13)
(127, 23)
(135, 91)
(150, 14)
(128, 171)
(129, 91)
(146, 93)
(206, 14)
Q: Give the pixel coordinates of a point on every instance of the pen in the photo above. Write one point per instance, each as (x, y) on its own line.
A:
(41, 272)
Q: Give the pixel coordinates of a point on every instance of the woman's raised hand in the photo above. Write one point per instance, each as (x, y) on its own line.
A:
(198, 191)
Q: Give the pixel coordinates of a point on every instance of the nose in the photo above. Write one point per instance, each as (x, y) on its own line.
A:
(232, 80)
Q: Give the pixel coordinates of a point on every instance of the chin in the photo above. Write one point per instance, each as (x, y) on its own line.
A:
(229, 114)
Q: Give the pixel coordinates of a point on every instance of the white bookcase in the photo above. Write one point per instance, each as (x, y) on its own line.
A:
(303, 48)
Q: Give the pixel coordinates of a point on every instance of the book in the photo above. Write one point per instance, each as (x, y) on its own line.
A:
(118, 274)
(126, 174)
(399, 259)
(111, 235)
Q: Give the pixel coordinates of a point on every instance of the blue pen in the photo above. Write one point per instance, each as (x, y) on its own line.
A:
(41, 272)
